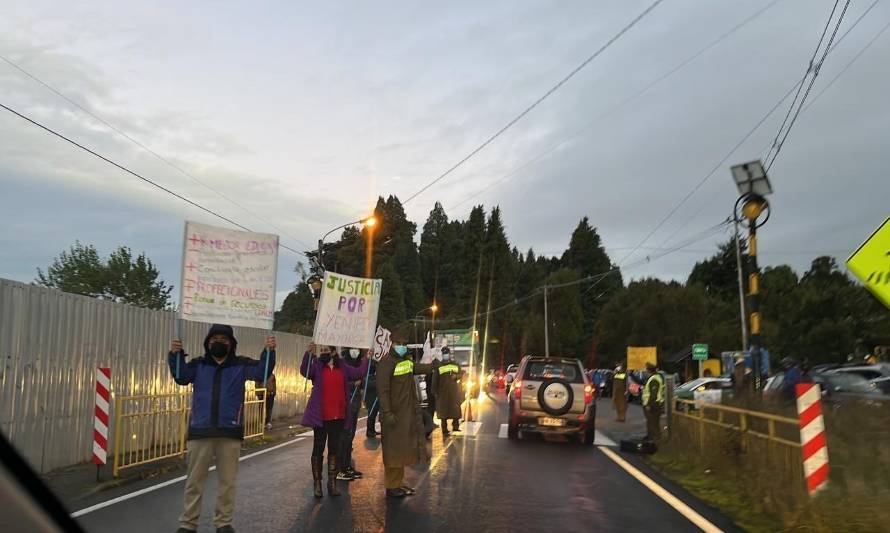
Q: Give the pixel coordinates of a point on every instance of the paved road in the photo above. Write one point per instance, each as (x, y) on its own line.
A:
(474, 483)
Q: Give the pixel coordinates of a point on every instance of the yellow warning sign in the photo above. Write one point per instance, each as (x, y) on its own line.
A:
(638, 356)
(871, 263)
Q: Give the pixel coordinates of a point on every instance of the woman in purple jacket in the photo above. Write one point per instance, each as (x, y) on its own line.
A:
(326, 410)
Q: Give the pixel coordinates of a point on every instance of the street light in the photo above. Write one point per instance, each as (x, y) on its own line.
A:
(434, 308)
(318, 269)
(753, 185)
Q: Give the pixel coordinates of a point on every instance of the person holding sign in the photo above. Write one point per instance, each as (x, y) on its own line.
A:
(347, 466)
(404, 443)
(326, 411)
(215, 427)
(447, 380)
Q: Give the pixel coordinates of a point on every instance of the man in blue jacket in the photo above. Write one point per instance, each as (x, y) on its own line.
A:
(216, 426)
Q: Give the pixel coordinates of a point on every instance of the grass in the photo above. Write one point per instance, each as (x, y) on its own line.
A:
(761, 487)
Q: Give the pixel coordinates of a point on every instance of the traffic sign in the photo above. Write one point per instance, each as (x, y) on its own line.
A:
(699, 352)
(871, 263)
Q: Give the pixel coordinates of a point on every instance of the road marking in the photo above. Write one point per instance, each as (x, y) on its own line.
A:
(662, 493)
(471, 429)
(602, 440)
(502, 432)
(173, 481)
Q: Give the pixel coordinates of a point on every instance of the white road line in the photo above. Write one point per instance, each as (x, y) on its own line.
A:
(502, 432)
(167, 483)
(662, 493)
(602, 440)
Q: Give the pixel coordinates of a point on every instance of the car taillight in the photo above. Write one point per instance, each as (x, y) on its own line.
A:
(588, 393)
(517, 389)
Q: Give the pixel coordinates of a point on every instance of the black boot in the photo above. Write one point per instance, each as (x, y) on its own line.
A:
(317, 464)
(332, 476)
(455, 425)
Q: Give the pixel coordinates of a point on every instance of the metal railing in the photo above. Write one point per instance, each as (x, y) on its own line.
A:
(154, 427)
(773, 428)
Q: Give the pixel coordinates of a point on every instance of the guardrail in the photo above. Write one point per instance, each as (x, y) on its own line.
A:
(154, 427)
(766, 426)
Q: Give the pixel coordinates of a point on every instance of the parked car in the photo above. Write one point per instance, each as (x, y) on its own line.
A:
(837, 387)
(552, 395)
(687, 390)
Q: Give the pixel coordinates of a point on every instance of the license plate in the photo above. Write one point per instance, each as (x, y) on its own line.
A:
(547, 421)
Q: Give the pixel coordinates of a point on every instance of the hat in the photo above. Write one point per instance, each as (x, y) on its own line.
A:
(221, 329)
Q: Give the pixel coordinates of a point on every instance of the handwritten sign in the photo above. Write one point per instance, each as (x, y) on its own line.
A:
(382, 343)
(228, 276)
(347, 311)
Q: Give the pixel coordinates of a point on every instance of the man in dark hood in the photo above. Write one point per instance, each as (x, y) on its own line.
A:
(216, 426)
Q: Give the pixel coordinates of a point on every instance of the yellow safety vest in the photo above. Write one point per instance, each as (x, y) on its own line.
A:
(659, 396)
(449, 369)
(404, 367)
(622, 375)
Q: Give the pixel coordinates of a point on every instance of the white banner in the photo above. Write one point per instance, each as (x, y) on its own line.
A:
(228, 276)
(382, 343)
(347, 311)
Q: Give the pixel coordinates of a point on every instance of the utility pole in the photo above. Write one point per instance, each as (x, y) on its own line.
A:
(546, 324)
(738, 260)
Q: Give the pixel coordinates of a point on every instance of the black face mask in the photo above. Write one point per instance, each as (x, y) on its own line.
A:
(325, 358)
(219, 350)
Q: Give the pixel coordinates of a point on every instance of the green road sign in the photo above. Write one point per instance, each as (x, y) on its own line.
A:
(699, 352)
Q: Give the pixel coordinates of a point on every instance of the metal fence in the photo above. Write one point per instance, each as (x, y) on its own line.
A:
(51, 343)
(154, 427)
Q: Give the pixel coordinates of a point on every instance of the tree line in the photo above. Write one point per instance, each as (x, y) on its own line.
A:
(478, 279)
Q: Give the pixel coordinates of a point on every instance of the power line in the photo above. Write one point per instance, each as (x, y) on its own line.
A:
(815, 75)
(143, 146)
(620, 105)
(806, 73)
(778, 104)
(128, 171)
(536, 102)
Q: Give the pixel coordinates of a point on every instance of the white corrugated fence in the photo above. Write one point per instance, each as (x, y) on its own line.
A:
(52, 342)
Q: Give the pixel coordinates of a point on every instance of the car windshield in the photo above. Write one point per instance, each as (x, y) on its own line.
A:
(689, 385)
(566, 371)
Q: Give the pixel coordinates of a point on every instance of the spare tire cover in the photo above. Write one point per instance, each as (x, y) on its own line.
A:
(556, 397)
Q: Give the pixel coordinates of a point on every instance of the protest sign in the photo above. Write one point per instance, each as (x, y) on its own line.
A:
(382, 343)
(228, 276)
(347, 311)
(638, 356)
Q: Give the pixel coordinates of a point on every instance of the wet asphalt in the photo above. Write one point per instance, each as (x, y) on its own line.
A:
(474, 483)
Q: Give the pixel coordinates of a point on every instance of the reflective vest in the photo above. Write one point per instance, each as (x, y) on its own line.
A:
(404, 367)
(659, 396)
(621, 375)
(450, 368)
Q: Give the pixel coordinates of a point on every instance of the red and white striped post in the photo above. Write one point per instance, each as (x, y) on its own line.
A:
(100, 426)
(812, 436)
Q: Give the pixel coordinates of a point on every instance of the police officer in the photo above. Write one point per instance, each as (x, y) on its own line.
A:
(653, 402)
(404, 443)
(619, 393)
(447, 378)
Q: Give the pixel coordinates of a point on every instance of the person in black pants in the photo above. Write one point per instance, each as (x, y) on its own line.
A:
(354, 391)
(371, 403)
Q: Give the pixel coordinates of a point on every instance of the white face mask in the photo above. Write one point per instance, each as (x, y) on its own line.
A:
(354, 352)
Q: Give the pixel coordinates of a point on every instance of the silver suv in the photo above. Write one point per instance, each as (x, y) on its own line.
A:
(552, 395)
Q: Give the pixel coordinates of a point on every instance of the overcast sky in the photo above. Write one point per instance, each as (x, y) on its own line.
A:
(305, 112)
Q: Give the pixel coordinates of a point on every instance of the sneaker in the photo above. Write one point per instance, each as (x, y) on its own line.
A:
(354, 473)
(268, 426)
(345, 475)
(409, 490)
(396, 493)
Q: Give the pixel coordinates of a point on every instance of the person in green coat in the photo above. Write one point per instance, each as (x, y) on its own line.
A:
(447, 380)
(404, 442)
